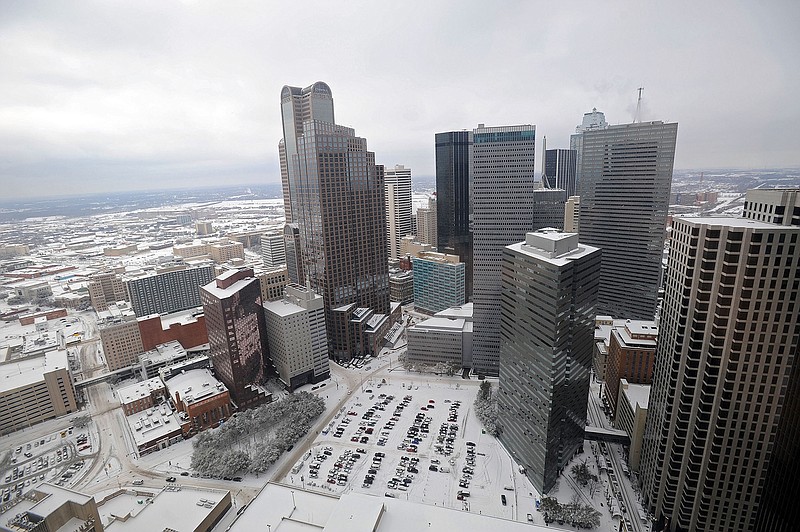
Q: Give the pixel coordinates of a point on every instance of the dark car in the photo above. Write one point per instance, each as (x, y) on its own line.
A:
(171, 479)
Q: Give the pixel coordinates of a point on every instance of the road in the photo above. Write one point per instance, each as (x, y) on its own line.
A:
(628, 496)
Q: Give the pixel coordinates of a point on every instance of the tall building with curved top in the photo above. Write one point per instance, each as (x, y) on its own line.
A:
(338, 206)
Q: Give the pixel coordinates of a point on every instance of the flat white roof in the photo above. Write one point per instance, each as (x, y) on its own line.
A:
(139, 390)
(283, 308)
(164, 352)
(173, 508)
(153, 427)
(441, 324)
(638, 394)
(23, 372)
(358, 512)
(461, 311)
(224, 293)
(581, 251)
(195, 385)
(732, 221)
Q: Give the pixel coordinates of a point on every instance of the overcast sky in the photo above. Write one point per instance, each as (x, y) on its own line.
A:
(108, 96)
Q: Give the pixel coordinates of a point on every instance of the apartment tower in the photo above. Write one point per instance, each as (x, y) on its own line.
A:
(721, 393)
(624, 184)
(550, 284)
(338, 206)
(454, 199)
(397, 182)
(502, 168)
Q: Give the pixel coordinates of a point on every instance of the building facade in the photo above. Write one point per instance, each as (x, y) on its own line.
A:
(297, 339)
(438, 282)
(572, 214)
(454, 198)
(105, 288)
(426, 231)
(591, 121)
(35, 389)
(273, 250)
(728, 338)
(779, 206)
(502, 169)
(397, 183)
(631, 355)
(337, 198)
(550, 285)
(273, 283)
(121, 341)
(625, 179)
(165, 290)
(631, 416)
(237, 334)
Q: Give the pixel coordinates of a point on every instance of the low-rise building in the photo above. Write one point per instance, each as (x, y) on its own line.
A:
(141, 396)
(47, 507)
(631, 415)
(631, 355)
(187, 327)
(445, 338)
(401, 286)
(157, 428)
(35, 389)
(200, 398)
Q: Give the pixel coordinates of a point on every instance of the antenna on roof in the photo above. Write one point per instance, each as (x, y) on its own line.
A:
(638, 116)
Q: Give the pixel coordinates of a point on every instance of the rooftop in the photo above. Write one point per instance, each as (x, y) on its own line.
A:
(283, 308)
(171, 508)
(732, 221)
(441, 324)
(139, 390)
(195, 385)
(461, 311)
(637, 394)
(22, 372)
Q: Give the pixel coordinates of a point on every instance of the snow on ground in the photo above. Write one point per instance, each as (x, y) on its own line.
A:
(494, 469)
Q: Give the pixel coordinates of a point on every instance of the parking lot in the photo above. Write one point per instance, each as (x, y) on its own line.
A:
(417, 441)
(55, 458)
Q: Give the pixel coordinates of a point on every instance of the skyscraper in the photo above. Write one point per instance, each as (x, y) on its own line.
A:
(727, 348)
(454, 199)
(426, 223)
(591, 121)
(625, 179)
(273, 249)
(337, 198)
(550, 284)
(559, 170)
(237, 334)
(397, 182)
(503, 194)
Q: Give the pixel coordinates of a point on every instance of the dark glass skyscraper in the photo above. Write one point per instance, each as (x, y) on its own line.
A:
(624, 184)
(559, 170)
(338, 205)
(453, 199)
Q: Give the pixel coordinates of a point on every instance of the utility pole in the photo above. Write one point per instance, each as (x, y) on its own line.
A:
(638, 116)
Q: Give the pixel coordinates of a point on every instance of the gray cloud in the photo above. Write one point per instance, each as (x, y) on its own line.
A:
(98, 96)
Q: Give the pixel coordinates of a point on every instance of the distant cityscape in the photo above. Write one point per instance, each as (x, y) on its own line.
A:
(533, 338)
